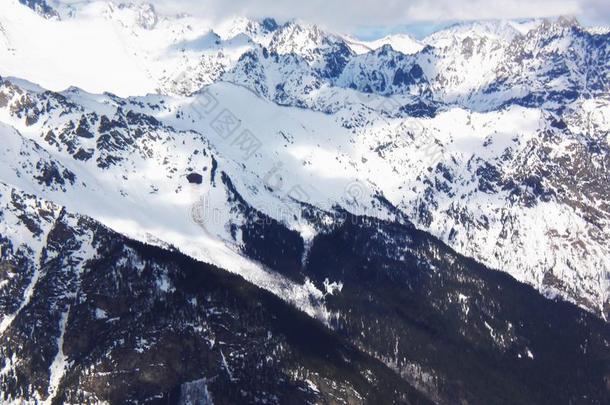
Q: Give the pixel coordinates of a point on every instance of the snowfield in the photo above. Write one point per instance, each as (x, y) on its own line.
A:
(505, 163)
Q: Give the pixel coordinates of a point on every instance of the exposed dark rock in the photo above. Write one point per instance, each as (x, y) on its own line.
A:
(194, 178)
(139, 323)
(446, 324)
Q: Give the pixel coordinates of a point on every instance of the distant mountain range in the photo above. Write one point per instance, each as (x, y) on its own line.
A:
(257, 210)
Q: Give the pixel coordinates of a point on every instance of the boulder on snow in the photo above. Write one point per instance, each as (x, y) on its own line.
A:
(194, 178)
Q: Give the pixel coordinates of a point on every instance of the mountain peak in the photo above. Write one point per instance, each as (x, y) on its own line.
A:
(269, 24)
(41, 7)
(568, 21)
(270, 212)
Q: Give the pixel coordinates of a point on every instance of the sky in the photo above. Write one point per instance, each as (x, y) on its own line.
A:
(375, 18)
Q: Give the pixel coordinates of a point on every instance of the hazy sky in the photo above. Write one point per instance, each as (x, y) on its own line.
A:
(344, 13)
(374, 17)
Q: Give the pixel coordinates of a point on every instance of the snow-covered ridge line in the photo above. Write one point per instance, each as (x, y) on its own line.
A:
(470, 137)
(459, 174)
(288, 63)
(103, 197)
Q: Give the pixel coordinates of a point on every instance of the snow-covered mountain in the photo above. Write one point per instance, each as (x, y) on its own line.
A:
(272, 150)
(91, 316)
(399, 42)
(504, 114)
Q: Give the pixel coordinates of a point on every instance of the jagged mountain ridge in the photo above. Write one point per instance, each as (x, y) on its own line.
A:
(273, 245)
(93, 317)
(295, 130)
(557, 70)
(513, 187)
(407, 300)
(457, 62)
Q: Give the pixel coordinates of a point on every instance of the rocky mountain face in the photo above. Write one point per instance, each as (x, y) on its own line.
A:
(479, 191)
(297, 217)
(449, 326)
(90, 316)
(41, 7)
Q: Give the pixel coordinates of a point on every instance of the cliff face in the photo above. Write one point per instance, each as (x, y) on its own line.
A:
(91, 316)
(259, 212)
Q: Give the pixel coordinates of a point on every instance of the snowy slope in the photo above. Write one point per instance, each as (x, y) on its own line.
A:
(87, 315)
(280, 158)
(48, 52)
(143, 197)
(493, 136)
(399, 42)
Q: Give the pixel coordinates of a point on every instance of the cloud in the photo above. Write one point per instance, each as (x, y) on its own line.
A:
(596, 11)
(345, 14)
(350, 15)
